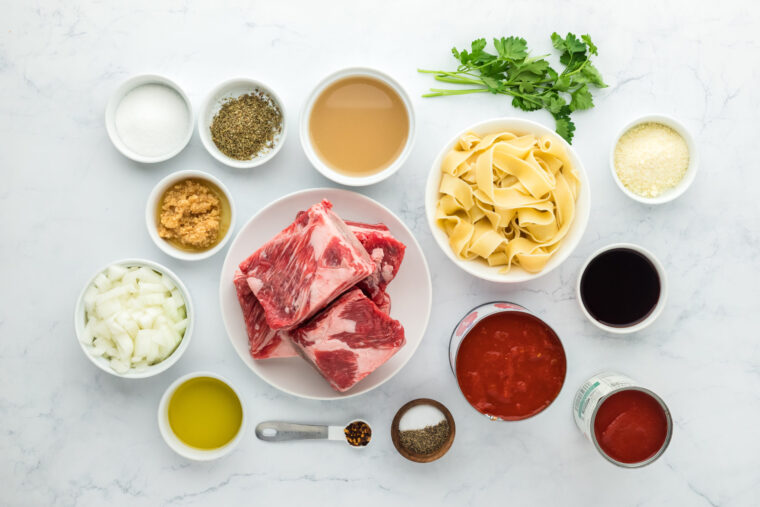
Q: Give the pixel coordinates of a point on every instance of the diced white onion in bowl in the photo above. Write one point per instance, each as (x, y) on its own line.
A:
(134, 317)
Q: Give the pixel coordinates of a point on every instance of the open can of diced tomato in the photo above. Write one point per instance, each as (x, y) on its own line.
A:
(509, 364)
(629, 424)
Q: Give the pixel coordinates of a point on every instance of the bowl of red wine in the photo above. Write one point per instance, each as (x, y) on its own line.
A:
(622, 288)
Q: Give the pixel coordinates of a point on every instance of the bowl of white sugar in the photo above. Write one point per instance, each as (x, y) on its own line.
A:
(654, 159)
(149, 118)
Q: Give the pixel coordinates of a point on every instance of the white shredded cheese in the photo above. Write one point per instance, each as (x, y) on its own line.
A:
(651, 158)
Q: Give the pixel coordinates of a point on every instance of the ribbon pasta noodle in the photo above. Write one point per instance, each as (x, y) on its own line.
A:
(507, 199)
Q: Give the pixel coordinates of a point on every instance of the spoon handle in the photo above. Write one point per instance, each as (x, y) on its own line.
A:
(279, 431)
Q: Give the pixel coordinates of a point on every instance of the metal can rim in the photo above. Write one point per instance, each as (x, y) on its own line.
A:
(668, 434)
(452, 356)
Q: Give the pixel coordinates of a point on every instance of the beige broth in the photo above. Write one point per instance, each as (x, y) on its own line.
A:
(359, 125)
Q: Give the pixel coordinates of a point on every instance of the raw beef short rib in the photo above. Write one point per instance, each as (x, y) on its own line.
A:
(263, 341)
(304, 267)
(349, 339)
(386, 252)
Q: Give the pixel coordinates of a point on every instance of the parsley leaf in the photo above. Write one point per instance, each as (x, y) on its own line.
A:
(555, 103)
(531, 81)
(558, 42)
(565, 128)
(581, 99)
(591, 46)
(573, 45)
(511, 48)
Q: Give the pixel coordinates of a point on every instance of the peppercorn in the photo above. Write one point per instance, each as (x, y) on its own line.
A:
(358, 433)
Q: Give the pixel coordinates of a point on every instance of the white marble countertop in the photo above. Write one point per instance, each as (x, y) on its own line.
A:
(70, 203)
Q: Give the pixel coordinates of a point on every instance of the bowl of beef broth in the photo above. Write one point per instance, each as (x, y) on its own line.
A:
(357, 126)
(622, 288)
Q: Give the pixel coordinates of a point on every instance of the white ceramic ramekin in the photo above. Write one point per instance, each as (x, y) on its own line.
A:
(229, 89)
(660, 302)
(691, 170)
(100, 361)
(182, 448)
(152, 206)
(126, 87)
(308, 147)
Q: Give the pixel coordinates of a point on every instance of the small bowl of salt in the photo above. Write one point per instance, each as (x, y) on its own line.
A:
(149, 118)
(423, 430)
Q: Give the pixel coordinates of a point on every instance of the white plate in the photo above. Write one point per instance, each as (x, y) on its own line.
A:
(410, 291)
(516, 274)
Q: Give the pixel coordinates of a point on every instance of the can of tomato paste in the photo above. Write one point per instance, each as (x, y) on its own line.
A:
(509, 364)
(628, 424)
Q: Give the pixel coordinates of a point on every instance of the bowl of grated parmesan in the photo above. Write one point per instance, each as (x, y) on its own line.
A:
(654, 159)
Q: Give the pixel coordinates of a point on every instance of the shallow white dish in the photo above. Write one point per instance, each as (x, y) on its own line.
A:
(234, 88)
(325, 169)
(100, 361)
(410, 291)
(182, 448)
(516, 274)
(152, 204)
(660, 302)
(691, 170)
(126, 87)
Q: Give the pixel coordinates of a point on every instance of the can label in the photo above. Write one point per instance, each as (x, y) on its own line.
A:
(590, 395)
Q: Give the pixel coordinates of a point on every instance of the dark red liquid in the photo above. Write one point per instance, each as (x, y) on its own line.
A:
(620, 287)
(631, 426)
(511, 365)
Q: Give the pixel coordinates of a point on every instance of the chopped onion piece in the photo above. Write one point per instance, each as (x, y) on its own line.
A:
(134, 317)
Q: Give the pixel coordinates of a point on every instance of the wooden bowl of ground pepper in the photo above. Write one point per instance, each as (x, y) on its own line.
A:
(429, 442)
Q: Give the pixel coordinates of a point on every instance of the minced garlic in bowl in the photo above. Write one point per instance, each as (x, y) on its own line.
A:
(651, 158)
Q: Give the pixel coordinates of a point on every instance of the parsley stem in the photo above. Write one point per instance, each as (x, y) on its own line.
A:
(458, 80)
(453, 77)
(440, 92)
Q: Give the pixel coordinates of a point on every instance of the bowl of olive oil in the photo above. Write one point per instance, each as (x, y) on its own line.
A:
(201, 416)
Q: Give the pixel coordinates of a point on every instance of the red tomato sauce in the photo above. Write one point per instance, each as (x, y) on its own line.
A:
(511, 365)
(630, 426)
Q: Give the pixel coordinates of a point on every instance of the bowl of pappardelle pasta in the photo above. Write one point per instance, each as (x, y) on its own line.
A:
(507, 200)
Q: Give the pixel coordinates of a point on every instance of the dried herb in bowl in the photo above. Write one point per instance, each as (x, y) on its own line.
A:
(426, 440)
(246, 125)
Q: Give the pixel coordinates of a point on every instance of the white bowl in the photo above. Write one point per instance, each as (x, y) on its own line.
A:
(182, 448)
(126, 87)
(691, 170)
(234, 88)
(516, 273)
(152, 205)
(411, 292)
(100, 361)
(660, 302)
(311, 153)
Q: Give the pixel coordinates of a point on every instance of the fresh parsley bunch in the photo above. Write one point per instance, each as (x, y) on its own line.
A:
(531, 82)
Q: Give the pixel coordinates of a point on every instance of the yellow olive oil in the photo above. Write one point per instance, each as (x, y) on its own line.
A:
(205, 413)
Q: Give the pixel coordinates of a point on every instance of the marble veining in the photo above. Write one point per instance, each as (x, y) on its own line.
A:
(72, 436)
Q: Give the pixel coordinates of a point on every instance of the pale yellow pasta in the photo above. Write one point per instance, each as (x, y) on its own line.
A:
(507, 199)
